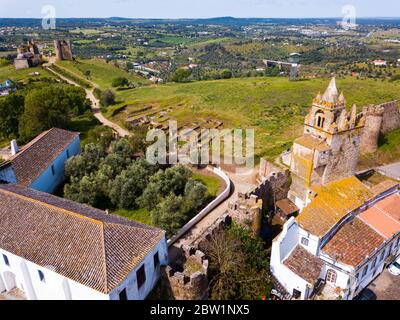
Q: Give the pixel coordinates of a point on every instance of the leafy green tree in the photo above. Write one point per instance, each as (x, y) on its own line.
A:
(107, 98)
(50, 106)
(85, 190)
(181, 75)
(44, 108)
(123, 148)
(11, 109)
(101, 135)
(129, 185)
(76, 97)
(119, 82)
(85, 163)
(239, 266)
(170, 214)
(226, 74)
(195, 193)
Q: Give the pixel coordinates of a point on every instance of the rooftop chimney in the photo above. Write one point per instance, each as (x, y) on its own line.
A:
(14, 147)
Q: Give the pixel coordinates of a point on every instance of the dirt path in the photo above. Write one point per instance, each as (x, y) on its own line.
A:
(95, 107)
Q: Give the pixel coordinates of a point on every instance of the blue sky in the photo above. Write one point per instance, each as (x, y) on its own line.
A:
(199, 8)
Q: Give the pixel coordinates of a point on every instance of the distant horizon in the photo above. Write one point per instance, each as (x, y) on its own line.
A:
(208, 18)
(199, 9)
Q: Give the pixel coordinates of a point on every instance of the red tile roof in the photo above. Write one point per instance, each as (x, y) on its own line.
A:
(304, 264)
(79, 242)
(35, 157)
(353, 243)
(384, 216)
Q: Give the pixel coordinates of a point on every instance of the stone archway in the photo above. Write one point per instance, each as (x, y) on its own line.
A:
(9, 280)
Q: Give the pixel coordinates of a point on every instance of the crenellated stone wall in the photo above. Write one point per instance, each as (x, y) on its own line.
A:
(189, 280)
(249, 208)
(380, 119)
(391, 117)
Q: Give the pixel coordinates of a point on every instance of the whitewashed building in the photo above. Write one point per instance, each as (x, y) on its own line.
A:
(40, 164)
(340, 242)
(53, 248)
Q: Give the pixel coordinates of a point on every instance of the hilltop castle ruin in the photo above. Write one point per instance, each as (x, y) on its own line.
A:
(63, 50)
(28, 56)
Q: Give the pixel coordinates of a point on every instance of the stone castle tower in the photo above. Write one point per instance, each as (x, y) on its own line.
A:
(380, 119)
(373, 125)
(63, 50)
(329, 148)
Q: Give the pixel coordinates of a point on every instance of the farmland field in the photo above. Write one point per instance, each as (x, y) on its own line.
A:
(274, 107)
(101, 72)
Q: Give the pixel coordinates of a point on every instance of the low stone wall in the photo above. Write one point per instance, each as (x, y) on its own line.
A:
(224, 195)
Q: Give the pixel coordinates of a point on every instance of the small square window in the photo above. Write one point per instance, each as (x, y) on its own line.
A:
(156, 259)
(141, 276)
(304, 241)
(41, 276)
(67, 153)
(5, 258)
(53, 171)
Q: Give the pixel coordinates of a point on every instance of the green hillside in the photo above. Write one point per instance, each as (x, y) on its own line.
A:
(274, 107)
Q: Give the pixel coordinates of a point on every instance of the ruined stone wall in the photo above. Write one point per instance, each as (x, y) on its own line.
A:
(186, 283)
(247, 212)
(343, 161)
(391, 117)
(248, 209)
(372, 129)
(63, 50)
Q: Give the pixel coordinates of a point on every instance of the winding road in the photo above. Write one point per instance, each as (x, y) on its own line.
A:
(241, 182)
(95, 106)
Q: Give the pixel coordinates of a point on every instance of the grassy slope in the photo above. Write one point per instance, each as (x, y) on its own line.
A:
(274, 107)
(388, 151)
(9, 72)
(212, 183)
(102, 73)
(142, 215)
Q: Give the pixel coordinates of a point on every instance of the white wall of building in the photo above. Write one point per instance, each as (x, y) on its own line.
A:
(24, 275)
(152, 275)
(47, 182)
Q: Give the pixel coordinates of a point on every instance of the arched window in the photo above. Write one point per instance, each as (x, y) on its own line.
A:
(331, 276)
(320, 119)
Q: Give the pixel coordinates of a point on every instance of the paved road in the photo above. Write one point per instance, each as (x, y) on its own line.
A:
(96, 107)
(386, 286)
(391, 170)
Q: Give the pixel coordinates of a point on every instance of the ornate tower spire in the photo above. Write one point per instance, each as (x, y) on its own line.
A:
(331, 93)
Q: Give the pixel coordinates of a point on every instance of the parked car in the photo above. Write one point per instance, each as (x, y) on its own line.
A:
(394, 268)
(366, 294)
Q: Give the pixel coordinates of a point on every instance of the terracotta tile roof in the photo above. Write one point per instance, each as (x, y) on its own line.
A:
(353, 243)
(304, 264)
(79, 242)
(312, 143)
(384, 216)
(287, 207)
(35, 157)
(333, 202)
(384, 186)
